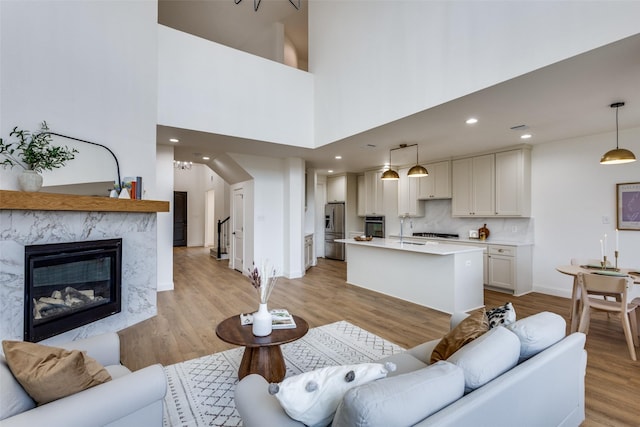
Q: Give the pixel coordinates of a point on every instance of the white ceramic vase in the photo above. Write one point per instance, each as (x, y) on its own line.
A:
(30, 180)
(262, 321)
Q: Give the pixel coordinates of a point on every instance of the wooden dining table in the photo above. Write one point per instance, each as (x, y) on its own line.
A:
(573, 270)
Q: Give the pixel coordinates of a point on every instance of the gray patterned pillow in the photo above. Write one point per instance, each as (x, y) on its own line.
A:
(503, 315)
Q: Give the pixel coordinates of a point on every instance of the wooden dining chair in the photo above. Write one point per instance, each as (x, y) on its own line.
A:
(592, 287)
(575, 294)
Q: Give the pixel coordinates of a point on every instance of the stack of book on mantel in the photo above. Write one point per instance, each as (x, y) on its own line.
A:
(280, 319)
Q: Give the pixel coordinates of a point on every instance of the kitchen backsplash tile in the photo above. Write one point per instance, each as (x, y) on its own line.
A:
(438, 219)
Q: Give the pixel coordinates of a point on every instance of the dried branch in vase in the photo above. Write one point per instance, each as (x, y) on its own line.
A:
(263, 279)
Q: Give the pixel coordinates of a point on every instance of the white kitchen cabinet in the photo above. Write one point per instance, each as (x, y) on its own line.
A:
(361, 196)
(373, 193)
(513, 183)
(408, 203)
(436, 185)
(308, 251)
(510, 268)
(496, 184)
(473, 189)
(336, 188)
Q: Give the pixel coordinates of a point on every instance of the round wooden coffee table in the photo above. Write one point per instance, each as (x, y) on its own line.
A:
(262, 355)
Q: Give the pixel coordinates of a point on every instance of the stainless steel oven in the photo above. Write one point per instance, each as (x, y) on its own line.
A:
(374, 226)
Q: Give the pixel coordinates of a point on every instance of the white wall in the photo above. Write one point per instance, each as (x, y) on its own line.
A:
(294, 190)
(377, 61)
(164, 169)
(90, 70)
(278, 212)
(209, 87)
(571, 192)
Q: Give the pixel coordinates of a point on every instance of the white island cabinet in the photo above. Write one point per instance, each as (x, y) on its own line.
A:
(440, 276)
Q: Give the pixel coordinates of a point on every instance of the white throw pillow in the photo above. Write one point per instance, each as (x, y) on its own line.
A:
(487, 357)
(313, 397)
(537, 332)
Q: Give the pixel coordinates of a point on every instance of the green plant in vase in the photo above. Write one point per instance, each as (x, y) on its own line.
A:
(34, 152)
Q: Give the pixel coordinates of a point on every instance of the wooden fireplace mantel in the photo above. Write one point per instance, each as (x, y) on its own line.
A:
(22, 200)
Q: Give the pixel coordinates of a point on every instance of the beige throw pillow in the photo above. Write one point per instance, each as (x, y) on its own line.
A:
(50, 373)
(469, 329)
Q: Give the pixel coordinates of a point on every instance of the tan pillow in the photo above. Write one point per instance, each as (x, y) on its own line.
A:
(469, 329)
(50, 373)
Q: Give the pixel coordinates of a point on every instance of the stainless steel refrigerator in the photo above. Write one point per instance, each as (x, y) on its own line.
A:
(334, 229)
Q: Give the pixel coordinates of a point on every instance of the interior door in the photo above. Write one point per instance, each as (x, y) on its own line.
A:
(179, 218)
(237, 225)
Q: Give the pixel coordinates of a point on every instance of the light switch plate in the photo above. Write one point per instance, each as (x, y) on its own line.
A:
(473, 234)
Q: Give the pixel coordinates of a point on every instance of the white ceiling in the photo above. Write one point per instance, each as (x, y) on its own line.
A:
(564, 100)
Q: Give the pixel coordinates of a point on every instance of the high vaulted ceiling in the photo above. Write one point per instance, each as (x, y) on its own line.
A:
(564, 100)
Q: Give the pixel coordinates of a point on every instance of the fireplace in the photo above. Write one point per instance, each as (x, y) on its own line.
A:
(68, 285)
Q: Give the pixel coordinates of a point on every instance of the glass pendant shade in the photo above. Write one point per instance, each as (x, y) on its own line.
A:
(617, 155)
(390, 175)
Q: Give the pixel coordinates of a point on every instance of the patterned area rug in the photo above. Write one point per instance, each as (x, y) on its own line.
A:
(200, 391)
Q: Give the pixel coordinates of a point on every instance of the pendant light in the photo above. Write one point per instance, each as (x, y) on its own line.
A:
(619, 155)
(417, 171)
(390, 174)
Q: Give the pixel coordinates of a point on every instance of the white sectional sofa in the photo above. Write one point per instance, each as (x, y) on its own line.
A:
(544, 388)
(132, 399)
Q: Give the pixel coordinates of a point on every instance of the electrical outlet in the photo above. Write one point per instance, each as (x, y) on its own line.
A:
(606, 219)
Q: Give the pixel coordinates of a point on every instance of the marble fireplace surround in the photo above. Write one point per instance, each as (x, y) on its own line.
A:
(41, 218)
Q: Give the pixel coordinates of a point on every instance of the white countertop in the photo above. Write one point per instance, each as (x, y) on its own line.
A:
(426, 247)
(462, 241)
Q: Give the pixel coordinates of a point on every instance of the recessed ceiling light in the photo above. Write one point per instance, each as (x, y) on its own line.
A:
(330, 171)
(338, 157)
(471, 121)
(174, 140)
(205, 158)
(525, 136)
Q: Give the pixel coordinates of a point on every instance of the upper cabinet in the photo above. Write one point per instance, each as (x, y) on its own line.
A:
(373, 193)
(436, 185)
(513, 183)
(336, 188)
(361, 198)
(408, 203)
(492, 184)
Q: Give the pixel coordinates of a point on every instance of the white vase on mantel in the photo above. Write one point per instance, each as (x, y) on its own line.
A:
(262, 321)
(30, 180)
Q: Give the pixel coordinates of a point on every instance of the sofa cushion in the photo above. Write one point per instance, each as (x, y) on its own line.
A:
(503, 315)
(538, 332)
(467, 330)
(312, 397)
(50, 373)
(13, 399)
(402, 400)
(487, 357)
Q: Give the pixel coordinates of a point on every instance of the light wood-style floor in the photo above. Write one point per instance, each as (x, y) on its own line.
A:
(207, 291)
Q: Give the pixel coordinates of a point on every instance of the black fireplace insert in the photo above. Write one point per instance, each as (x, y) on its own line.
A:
(68, 285)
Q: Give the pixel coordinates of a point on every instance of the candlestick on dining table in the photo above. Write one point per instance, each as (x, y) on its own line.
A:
(616, 255)
(617, 239)
(605, 244)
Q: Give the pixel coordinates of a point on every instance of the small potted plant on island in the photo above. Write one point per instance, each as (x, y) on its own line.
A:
(34, 152)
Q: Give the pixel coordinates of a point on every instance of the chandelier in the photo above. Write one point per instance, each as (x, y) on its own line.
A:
(256, 4)
(182, 165)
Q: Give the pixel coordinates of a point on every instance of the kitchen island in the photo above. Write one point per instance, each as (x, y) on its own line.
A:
(437, 275)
